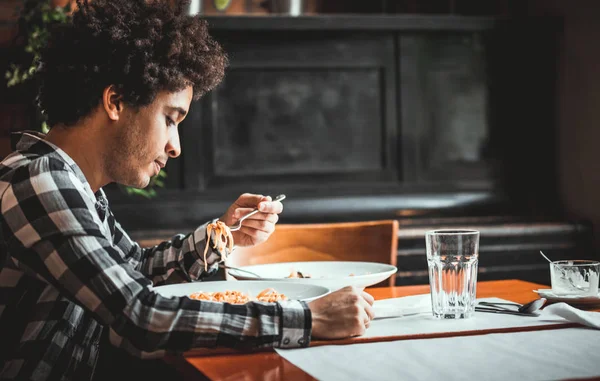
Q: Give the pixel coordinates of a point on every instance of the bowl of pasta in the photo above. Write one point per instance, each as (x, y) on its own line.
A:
(331, 274)
(241, 292)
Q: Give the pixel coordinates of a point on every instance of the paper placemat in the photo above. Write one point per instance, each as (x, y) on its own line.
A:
(424, 325)
(526, 356)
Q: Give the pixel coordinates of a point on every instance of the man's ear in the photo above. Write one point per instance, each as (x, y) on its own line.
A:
(112, 103)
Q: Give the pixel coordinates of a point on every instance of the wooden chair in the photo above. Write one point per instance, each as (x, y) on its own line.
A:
(369, 241)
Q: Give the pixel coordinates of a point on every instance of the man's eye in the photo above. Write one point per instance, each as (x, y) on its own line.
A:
(170, 122)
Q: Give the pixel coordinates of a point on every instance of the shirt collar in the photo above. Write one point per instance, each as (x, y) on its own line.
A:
(35, 142)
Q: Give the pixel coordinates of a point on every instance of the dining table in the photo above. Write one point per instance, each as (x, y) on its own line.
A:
(266, 364)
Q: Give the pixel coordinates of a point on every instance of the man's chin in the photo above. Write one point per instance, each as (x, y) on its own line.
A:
(144, 184)
(139, 184)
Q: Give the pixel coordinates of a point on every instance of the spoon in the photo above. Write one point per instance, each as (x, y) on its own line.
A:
(564, 274)
(497, 310)
(527, 308)
(238, 224)
(224, 266)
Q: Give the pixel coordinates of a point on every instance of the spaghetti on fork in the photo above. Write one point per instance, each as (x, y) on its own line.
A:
(223, 240)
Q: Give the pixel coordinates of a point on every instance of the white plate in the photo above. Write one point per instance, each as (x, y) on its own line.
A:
(570, 299)
(293, 291)
(331, 274)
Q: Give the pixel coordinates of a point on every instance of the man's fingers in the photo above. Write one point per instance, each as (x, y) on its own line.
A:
(263, 203)
(368, 297)
(370, 312)
(241, 212)
(263, 218)
(256, 234)
(249, 200)
(270, 217)
(271, 207)
(262, 225)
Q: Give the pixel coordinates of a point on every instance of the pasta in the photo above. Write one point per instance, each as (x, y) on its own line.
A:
(297, 274)
(268, 295)
(222, 240)
(234, 297)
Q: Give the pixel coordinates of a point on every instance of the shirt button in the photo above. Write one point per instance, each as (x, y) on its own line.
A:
(286, 341)
(301, 341)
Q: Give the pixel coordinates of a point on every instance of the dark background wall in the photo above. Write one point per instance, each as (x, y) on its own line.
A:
(577, 111)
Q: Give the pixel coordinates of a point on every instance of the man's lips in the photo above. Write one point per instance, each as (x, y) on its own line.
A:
(160, 163)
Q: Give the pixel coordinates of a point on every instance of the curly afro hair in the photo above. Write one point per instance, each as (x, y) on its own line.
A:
(140, 46)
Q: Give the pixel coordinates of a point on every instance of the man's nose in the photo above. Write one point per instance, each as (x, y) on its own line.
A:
(173, 147)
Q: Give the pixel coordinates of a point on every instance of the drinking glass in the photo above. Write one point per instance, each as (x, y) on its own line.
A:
(574, 278)
(452, 258)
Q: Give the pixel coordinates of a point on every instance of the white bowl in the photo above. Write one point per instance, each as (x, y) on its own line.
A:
(293, 291)
(331, 274)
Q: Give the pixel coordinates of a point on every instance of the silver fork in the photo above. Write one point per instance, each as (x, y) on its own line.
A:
(226, 267)
(238, 224)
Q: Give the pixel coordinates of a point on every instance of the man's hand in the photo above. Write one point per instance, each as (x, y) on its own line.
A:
(343, 313)
(257, 228)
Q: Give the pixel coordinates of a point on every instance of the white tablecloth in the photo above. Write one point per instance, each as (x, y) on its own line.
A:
(537, 355)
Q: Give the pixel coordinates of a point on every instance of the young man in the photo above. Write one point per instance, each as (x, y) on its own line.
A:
(116, 83)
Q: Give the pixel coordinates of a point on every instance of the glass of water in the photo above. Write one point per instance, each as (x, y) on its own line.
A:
(575, 278)
(452, 258)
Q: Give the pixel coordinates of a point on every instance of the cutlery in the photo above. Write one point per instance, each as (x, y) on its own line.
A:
(564, 274)
(530, 308)
(226, 267)
(394, 312)
(238, 224)
(384, 312)
(504, 311)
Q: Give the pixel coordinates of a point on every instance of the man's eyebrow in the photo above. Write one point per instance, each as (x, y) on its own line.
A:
(180, 110)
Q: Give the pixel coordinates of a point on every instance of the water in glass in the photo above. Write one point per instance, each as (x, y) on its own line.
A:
(453, 280)
(452, 258)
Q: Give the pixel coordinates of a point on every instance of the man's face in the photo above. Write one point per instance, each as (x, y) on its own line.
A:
(146, 138)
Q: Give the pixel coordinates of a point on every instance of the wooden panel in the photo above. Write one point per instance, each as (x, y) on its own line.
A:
(416, 167)
(313, 49)
(320, 109)
(444, 108)
(298, 121)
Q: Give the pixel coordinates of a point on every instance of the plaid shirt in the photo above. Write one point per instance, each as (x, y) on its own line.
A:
(68, 271)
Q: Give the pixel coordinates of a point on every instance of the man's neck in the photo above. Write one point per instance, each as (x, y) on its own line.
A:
(83, 144)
